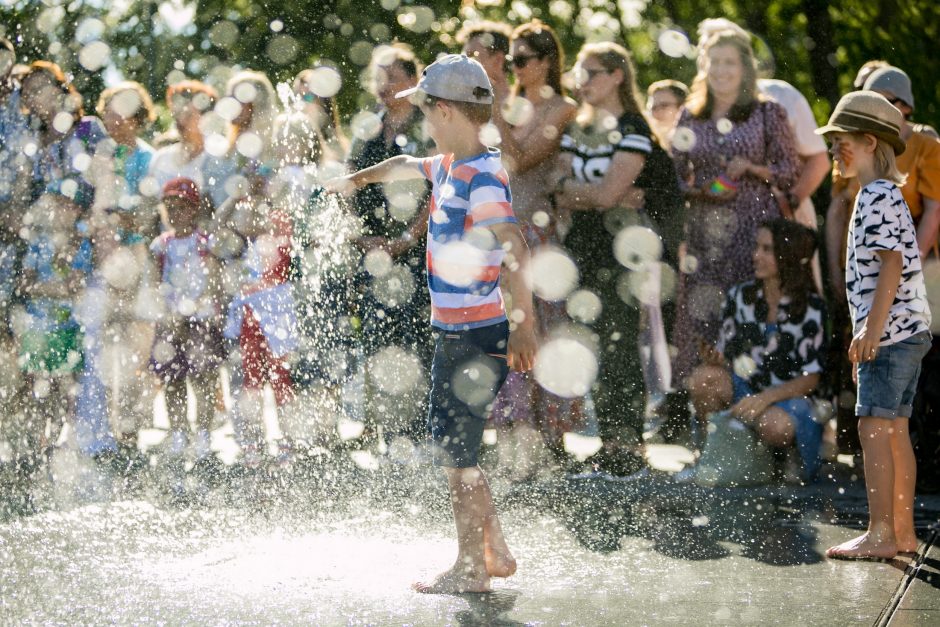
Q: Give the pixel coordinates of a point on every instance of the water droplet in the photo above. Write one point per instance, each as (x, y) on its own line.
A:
(41, 388)
(63, 121)
(554, 274)
(518, 111)
(245, 92)
(228, 108)
(325, 82)
(395, 371)
(683, 139)
(149, 186)
(94, 56)
(489, 135)
(216, 144)
(474, 382)
(365, 125)
(120, 269)
(90, 29)
(674, 43)
(249, 145)
(282, 49)
(635, 246)
(744, 366)
(223, 34)
(565, 367)
(584, 306)
(69, 188)
(377, 262)
(81, 161)
(125, 103)
(459, 263)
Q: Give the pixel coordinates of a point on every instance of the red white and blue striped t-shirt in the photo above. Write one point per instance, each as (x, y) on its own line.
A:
(463, 257)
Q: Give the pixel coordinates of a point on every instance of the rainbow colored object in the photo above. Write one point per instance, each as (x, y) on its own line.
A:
(723, 185)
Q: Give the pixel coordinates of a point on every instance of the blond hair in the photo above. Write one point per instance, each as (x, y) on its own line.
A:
(886, 165)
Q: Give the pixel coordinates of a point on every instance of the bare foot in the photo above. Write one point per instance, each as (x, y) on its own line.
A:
(865, 546)
(907, 541)
(499, 563)
(454, 581)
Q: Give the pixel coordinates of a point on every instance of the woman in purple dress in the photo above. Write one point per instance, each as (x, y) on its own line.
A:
(731, 146)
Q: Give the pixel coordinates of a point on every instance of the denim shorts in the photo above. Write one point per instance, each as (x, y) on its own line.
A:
(468, 369)
(807, 432)
(886, 385)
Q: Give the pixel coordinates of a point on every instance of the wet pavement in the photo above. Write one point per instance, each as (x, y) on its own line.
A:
(331, 542)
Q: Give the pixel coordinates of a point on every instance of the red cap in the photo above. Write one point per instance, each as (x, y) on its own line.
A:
(184, 188)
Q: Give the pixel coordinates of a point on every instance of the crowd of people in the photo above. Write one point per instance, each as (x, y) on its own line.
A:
(210, 257)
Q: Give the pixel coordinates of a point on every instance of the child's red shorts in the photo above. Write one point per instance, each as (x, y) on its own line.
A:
(260, 365)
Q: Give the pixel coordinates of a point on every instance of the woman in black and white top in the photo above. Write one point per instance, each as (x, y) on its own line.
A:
(771, 346)
(613, 170)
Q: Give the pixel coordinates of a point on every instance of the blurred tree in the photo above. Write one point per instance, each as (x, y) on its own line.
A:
(818, 44)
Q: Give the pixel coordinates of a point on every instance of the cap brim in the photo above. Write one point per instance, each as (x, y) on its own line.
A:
(407, 92)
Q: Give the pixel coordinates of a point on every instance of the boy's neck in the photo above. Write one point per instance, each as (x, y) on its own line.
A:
(865, 173)
(466, 145)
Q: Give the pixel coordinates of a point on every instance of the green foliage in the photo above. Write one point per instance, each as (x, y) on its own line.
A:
(818, 45)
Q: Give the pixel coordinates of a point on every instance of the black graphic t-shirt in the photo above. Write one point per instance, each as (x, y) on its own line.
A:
(768, 354)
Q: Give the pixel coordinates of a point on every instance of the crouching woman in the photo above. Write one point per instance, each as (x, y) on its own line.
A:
(770, 349)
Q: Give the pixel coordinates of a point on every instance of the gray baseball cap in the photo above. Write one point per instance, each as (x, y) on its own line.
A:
(454, 77)
(894, 81)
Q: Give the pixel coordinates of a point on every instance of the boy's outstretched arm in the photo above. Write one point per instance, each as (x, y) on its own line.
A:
(399, 168)
(520, 353)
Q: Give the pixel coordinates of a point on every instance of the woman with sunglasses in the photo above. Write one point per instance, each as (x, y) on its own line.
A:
(531, 119)
(616, 176)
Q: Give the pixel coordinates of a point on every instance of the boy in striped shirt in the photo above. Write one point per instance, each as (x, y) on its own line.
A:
(472, 235)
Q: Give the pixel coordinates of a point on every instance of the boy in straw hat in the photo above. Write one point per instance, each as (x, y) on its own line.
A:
(888, 303)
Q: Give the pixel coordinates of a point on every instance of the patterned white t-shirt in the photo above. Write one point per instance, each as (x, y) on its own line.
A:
(881, 220)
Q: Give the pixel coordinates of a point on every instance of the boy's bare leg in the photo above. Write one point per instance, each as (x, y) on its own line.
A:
(468, 574)
(498, 557)
(905, 478)
(879, 541)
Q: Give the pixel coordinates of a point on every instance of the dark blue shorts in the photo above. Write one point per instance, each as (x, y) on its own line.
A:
(886, 385)
(468, 369)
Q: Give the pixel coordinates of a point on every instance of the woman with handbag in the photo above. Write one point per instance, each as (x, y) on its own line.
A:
(771, 347)
(731, 147)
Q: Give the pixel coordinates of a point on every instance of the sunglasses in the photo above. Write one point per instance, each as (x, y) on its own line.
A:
(586, 76)
(523, 60)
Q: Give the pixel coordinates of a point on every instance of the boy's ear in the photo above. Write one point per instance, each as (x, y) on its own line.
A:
(871, 143)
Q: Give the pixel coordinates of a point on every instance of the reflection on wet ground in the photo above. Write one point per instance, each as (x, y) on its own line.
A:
(331, 543)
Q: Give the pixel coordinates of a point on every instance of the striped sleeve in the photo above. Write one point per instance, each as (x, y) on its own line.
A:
(490, 200)
(634, 142)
